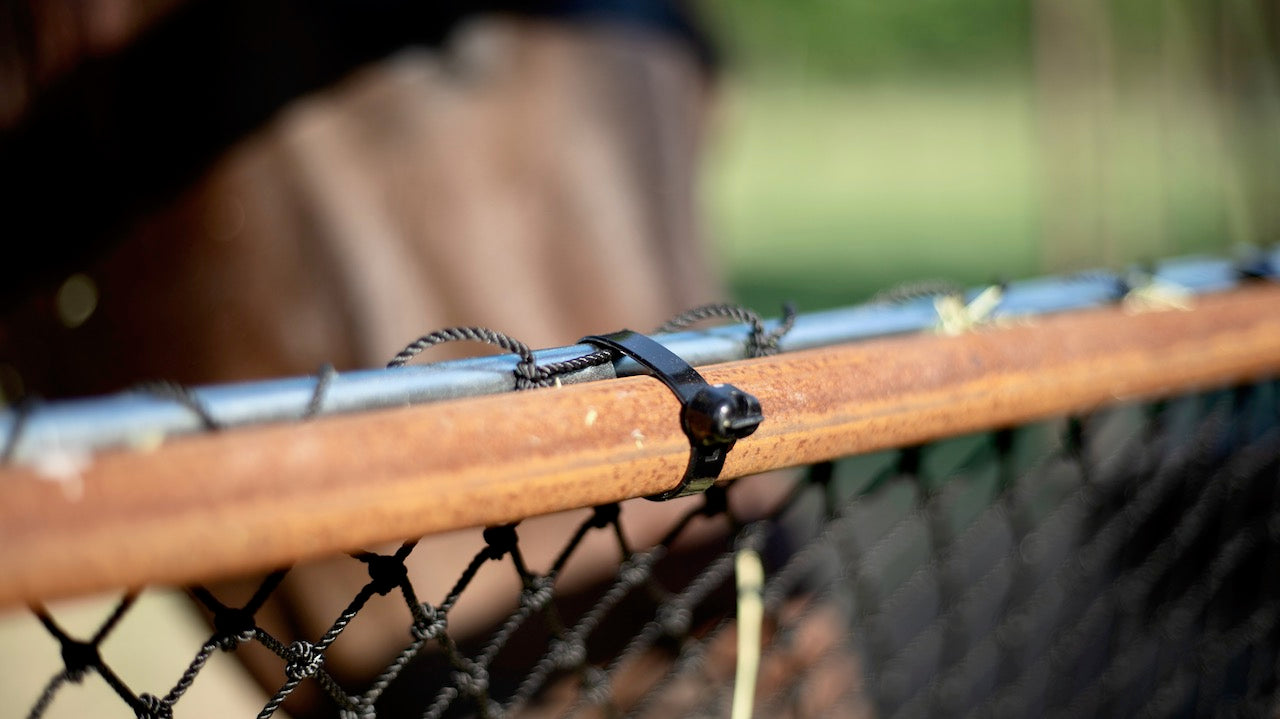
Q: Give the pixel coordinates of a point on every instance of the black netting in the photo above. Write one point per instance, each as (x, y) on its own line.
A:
(1118, 564)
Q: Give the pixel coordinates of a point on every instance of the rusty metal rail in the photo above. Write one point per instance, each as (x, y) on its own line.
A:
(247, 499)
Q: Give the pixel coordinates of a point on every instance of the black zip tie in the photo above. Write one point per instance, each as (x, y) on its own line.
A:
(713, 417)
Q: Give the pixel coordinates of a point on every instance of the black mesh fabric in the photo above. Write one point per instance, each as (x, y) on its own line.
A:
(1122, 563)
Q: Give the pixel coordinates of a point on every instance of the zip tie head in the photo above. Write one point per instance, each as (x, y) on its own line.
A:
(721, 414)
(713, 417)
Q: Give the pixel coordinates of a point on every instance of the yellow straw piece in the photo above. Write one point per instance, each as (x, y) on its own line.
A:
(750, 574)
(955, 317)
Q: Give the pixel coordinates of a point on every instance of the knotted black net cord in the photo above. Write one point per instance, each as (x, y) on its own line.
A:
(1116, 499)
(686, 663)
(526, 369)
(547, 373)
(917, 290)
(940, 678)
(689, 651)
(535, 598)
(1004, 505)
(674, 619)
(259, 598)
(81, 657)
(290, 684)
(1171, 691)
(1175, 620)
(429, 624)
(528, 606)
(1067, 572)
(382, 585)
(393, 670)
(313, 654)
(693, 649)
(1119, 673)
(760, 343)
(671, 621)
(324, 378)
(563, 639)
(1190, 522)
(835, 516)
(424, 629)
(189, 675)
(950, 609)
(691, 660)
(673, 604)
(51, 689)
(22, 411)
(183, 395)
(1257, 678)
(464, 579)
(692, 652)
(1114, 533)
(782, 583)
(633, 572)
(122, 607)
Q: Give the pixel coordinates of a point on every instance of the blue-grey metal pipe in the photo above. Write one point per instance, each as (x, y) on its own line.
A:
(138, 418)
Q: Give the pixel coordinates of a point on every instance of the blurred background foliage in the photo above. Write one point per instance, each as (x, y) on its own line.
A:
(860, 143)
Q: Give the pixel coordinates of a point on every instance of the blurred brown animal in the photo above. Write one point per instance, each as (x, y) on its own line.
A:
(531, 176)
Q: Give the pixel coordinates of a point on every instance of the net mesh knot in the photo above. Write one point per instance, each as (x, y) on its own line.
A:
(429, 624)
(567, 653)
(1015, 631)
(595, 686)
(715, 501)
(636, 569)
(751, 537)
(501, 540)
(674, 619)
(232, 627)
(362, 710)
(79, 658)
(153, 707)
(304, 659)
(472, 679)
(538, 593)
(605, 515)
(385, 572)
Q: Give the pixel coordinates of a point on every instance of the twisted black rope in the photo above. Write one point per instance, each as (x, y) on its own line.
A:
(324, 379)
(905, 292)
(184, 396)
(526, 370)
(530, 374)
(760, 343)
(548, 373)
(22, 412)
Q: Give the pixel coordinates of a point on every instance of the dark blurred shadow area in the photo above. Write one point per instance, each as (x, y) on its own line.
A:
(212, 191)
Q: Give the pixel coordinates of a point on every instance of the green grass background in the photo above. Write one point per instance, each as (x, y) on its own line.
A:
(858, 144)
